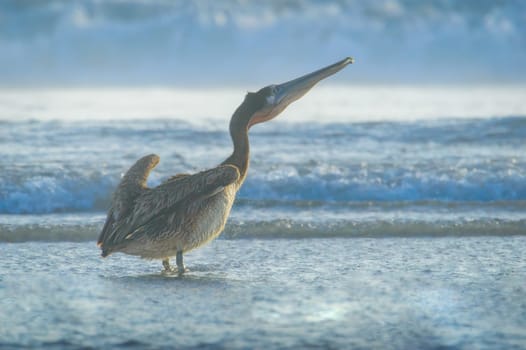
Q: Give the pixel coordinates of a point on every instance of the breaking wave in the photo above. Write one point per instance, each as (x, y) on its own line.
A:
(78, 193)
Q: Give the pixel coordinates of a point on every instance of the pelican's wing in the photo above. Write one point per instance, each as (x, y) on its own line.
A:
(168, 198)
(132, 184)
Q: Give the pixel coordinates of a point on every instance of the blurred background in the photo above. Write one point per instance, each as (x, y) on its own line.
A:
(432, 110)
(235, 42)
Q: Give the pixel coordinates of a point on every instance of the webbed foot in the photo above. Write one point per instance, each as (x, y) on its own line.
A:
(170, 270)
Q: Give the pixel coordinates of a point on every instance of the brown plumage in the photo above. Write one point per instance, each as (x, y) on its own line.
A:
(187, 211)
(141, 214)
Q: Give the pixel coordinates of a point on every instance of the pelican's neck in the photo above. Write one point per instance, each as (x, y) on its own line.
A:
(240, 156)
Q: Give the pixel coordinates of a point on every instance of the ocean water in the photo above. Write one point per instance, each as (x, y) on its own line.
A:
(321, 168)
(338, 293)
(372, 217)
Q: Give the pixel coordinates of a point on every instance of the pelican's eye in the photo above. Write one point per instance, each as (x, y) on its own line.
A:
(272, 94)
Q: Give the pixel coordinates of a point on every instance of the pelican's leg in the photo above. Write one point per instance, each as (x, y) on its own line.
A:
(167, 267)
(179, 261)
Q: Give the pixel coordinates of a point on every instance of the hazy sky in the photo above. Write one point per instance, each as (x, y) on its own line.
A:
(158, 42)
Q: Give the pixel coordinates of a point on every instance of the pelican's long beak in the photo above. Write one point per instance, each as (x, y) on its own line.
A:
(290, 91)
(278, 97)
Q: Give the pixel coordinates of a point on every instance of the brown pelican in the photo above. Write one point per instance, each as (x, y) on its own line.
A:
(187, 211)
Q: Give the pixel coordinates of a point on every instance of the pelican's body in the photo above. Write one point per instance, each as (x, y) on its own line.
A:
(196, 223)
(179, 215)
(187, 211)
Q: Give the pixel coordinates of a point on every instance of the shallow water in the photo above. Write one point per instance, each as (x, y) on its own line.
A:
(392, 293)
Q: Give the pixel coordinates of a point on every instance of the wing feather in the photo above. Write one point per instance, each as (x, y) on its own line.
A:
(131, 186)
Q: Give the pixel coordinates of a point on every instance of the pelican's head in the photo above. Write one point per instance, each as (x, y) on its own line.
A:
(271, 100)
